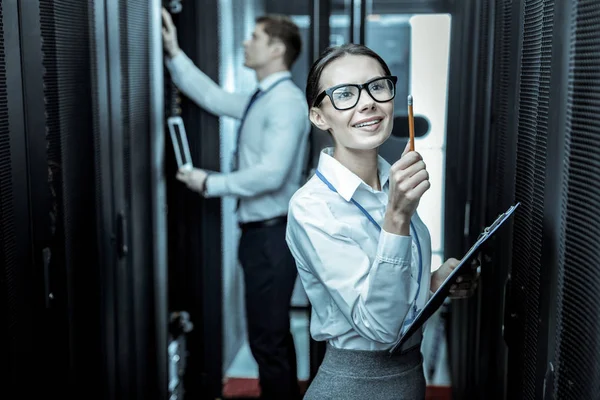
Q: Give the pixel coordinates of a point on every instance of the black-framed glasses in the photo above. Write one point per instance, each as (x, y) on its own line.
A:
(347, 95)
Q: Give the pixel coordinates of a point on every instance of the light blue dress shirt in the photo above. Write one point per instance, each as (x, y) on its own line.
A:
(273, 140)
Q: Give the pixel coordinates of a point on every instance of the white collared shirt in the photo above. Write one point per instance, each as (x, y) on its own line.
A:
(361, 282)
(272, 145)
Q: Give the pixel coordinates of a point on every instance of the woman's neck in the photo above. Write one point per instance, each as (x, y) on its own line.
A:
(363, 163)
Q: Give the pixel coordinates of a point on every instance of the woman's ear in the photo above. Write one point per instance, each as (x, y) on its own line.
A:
(317, 118)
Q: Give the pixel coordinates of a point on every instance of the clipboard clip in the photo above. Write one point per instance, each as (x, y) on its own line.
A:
(491, 228)
(488, 230)
(499, 220)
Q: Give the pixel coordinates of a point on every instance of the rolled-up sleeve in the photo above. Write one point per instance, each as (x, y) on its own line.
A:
(285, 129)
(373, 293)
(202, 90)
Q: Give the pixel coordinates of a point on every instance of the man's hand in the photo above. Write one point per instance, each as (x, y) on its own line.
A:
(169, 33)
(465, 284)
(194, 179)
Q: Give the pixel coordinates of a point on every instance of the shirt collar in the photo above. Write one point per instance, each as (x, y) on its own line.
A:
(267, 82)
(345, 181)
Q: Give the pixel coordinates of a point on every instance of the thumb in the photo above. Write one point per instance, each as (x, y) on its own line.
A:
(406, 148)
(181, 176)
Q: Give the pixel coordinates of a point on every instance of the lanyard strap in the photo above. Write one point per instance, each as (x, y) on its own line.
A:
(366, 213)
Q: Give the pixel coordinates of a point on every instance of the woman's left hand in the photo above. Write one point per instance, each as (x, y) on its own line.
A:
(465, 284)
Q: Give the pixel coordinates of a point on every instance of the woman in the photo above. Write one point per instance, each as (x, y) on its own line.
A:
(362, 252)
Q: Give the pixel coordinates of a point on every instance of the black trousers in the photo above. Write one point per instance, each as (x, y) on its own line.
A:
(269, 276)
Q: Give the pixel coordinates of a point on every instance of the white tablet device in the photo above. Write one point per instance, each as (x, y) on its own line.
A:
(180, 143)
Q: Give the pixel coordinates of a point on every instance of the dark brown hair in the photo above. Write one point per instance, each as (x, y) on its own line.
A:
(281, 27)
(330, 54)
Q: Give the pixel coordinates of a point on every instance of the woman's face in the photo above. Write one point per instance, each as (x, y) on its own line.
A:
(368, 124)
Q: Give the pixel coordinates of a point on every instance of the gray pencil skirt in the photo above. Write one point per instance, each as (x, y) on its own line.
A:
(372, 375)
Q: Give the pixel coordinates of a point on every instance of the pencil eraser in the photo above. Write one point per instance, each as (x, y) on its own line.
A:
(410, 100)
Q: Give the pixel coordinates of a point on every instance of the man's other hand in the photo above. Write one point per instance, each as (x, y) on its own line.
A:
(194, 179)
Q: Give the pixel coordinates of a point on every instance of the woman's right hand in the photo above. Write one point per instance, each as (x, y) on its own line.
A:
(409, 180)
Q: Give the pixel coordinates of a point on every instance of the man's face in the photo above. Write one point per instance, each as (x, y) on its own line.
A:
(259, 50)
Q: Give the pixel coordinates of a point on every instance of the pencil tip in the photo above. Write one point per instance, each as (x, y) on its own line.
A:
(410, 100)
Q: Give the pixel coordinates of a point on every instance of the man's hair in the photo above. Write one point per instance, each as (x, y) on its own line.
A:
(281, 27)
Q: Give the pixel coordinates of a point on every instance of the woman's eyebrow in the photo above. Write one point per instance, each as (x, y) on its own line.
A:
(368, 80)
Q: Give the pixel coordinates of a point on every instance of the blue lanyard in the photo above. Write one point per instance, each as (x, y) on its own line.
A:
(361, 208)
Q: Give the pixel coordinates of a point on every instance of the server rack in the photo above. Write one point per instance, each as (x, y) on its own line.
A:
(544, 108)
(83, 261)
(18, 326)
(194, 223)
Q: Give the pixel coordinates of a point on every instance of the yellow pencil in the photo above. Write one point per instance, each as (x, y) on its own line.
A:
(411, 123)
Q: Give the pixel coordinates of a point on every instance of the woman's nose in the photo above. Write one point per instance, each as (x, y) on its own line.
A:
(365, 102)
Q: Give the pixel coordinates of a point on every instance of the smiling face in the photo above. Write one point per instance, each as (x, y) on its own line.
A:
(365, 126)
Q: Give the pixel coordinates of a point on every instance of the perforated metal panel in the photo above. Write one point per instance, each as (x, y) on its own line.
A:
(578, 329)
(501, 99)
(6, 213)
(124, 28)
(136, 84)
(493, 197)
(68, 94)
(529, 190)
(7, 226)
(21, 286)
(483, 78)
(65, 30)
(135, 65)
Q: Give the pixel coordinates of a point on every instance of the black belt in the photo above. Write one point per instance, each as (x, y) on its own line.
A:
(263, 224)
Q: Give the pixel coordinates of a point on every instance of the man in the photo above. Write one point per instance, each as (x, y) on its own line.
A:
(269, 159)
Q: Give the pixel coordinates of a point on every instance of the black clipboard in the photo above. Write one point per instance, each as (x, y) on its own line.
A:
(440, 295)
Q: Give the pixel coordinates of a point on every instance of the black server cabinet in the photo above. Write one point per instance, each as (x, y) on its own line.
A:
(83, 232)
(538, 144)
(194, 223)
(21, 300)
(133, 69)
(471, 321)
(572, 355)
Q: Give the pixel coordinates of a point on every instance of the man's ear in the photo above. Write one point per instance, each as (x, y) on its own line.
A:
(278, 48)
(317, 118)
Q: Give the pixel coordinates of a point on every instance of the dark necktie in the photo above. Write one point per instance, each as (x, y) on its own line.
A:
(254, 97)
(236, 155)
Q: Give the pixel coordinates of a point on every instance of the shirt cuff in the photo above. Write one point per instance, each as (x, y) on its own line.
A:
(177, 63)
(394, 248)
(215, 185)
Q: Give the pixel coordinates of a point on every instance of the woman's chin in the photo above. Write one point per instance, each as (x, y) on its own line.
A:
(372, 141)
